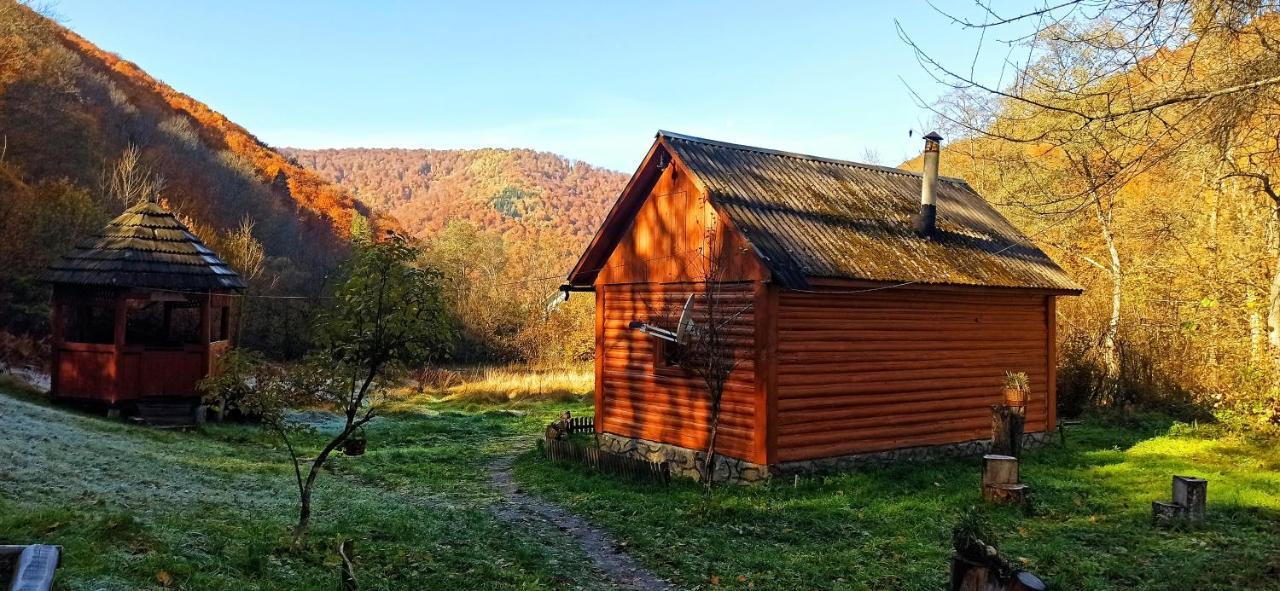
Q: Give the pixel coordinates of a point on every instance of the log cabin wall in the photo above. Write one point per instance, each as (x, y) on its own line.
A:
(640, 397)
(656, 265)
(902, 368)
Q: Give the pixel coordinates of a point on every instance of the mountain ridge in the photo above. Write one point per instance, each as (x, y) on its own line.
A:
(502, 189)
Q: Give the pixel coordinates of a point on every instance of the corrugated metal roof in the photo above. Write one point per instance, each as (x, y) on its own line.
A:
(811, 217)
(145, 247)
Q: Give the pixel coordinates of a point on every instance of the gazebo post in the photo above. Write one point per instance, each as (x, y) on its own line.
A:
(121, 319)
(57, 326)
(206, 331)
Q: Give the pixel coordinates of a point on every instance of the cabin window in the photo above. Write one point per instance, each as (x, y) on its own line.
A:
(90, 324)
(666, 358)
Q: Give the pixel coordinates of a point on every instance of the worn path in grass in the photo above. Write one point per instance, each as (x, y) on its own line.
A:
(605, 553)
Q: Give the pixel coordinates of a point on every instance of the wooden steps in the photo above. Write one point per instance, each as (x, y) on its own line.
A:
(167, 413)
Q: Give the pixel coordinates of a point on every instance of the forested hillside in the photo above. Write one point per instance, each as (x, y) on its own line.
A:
(495, 189)
(86, 133)
(503, 225)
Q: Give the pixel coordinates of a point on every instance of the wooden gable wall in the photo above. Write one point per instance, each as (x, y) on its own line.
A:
(667, 239)
(657, 263)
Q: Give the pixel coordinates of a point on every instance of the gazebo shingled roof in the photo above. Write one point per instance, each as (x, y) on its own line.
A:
(145, 247)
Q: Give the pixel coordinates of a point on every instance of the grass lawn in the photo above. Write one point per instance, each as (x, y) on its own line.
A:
(890, 528)
(137, 508)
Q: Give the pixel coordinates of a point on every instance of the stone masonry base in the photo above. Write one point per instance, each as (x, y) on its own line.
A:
(685, 462)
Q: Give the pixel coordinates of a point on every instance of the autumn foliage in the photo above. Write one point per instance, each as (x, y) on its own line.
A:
(75, 120)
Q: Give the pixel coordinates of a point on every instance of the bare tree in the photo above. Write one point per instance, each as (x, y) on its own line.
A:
(710, 344)
(129, 180)
(244, 252)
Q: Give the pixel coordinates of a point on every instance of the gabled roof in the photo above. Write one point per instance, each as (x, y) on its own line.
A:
(146, 247)
(808, 218)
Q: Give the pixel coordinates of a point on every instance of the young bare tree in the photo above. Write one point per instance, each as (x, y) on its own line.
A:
(129, 180)
(242, 251)
(387, 314)
(712, 341)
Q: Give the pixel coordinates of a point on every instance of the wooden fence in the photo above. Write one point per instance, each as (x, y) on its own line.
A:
(568, 451)
(582, 425)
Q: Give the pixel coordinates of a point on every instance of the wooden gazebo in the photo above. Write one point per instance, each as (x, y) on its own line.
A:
(139, 312)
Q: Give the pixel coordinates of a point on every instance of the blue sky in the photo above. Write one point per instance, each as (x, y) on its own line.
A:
(589, 80)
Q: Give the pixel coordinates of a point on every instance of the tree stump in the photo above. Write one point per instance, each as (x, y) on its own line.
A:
(1164, 513)
(1006, 494)
(1000, 480)
(1007, 425)
(999, 469)
(1191, 492)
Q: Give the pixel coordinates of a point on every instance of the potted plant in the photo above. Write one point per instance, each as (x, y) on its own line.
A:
(354, 445)
(1017, 388)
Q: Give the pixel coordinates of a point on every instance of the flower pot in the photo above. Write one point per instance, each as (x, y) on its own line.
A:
(354, 447)
(1016, 397)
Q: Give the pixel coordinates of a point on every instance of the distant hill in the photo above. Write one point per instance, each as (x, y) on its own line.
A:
(69, 110)
(504, 190)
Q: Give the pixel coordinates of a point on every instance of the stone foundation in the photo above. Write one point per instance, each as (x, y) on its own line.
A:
(974, 448)
(685, 462)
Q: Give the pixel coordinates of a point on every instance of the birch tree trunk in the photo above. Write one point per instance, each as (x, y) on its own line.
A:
(1273, 309)
(1273, 295)
(1257, 329)
(1110, 352)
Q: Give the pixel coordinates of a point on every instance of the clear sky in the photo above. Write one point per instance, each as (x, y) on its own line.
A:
(590, 80)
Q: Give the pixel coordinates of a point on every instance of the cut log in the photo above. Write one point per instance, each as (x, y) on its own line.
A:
(999, 469)
(1006, 494)
(1191, 492)
(1163, 513)
(1007, 425)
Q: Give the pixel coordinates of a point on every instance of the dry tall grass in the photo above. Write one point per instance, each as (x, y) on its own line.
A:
(497, 385)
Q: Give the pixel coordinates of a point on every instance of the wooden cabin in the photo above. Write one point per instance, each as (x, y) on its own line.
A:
(140, 312)
(877, 309)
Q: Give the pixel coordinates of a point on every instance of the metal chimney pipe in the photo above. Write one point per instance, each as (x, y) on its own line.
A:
(926, 220)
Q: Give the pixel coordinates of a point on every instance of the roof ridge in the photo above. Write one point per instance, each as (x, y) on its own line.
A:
(799, 156)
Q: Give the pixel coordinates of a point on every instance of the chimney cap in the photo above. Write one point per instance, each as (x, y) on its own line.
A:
(933, 135)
